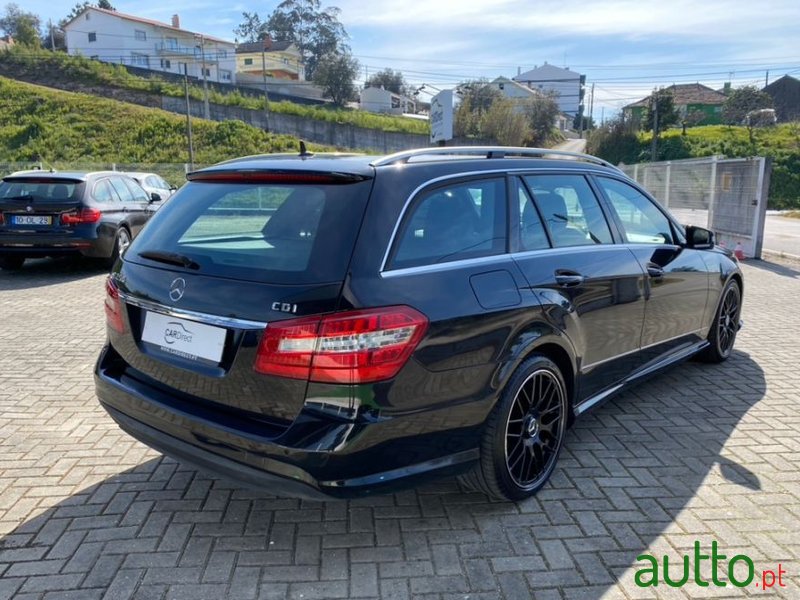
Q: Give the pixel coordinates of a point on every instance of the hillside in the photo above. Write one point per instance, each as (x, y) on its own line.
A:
(77, 73)
(779, 142)
(72, 129)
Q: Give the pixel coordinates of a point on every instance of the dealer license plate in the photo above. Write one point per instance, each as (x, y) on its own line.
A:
(184, 338)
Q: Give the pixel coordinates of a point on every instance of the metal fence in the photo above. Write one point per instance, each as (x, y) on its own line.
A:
(726, 195)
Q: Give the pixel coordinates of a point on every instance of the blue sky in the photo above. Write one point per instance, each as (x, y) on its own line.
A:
(624, 47)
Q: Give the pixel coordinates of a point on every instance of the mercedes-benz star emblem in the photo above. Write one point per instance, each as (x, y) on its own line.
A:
(28, 209)
(177, 288)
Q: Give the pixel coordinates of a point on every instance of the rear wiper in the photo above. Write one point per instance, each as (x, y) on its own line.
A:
(170, 258)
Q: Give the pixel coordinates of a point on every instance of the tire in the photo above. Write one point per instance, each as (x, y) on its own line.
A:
(122, 240)
(524, 433)
(11, 263)
(723, 331)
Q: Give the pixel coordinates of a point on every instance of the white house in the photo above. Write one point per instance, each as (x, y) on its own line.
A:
(379, 100)
(112, 36)
(513, 90)
(565, 84)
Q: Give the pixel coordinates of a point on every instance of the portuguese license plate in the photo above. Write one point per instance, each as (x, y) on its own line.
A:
(32, 220)
(186, 339)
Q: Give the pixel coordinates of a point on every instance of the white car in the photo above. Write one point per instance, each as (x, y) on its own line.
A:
(154, 184)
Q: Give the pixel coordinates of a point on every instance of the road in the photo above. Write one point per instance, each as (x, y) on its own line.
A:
(572, 146)
(782, 234)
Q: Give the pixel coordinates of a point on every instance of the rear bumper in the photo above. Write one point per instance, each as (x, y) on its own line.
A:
(318, 456)
(33, 246)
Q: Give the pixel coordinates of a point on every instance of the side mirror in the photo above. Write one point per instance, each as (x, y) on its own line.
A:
(155, 197)
(699, 238)
(172, 188)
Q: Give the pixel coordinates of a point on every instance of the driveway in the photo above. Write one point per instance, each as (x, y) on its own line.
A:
(701, 454)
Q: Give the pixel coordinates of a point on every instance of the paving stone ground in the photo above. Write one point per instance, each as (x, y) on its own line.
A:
(701, 453)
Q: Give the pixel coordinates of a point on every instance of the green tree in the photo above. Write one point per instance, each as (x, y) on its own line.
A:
(541, 113)
(317, 32)
(505, 123)
(477, 98)
(615, 141)
(390, 80)
(663, 100)
(251, 29)
(335, 74)
(741, 101)
(22, 26)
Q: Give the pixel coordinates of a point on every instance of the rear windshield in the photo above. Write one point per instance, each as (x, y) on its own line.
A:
(48, 191)
(275, 233)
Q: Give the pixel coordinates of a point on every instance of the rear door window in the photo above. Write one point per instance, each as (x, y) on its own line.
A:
(570, 209)
(123, 191)
(453, 222)
(282, 233)
(104, 193)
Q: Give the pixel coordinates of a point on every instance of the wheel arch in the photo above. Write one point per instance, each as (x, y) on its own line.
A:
(543, 340)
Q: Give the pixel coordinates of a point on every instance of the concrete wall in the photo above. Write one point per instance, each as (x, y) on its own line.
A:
(321, 132)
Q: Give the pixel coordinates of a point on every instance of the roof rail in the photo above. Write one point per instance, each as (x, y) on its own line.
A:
(487, 152)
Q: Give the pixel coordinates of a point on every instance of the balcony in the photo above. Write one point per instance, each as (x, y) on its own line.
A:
(169, 49)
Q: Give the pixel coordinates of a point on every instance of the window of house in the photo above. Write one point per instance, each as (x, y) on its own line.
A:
(207, 72)
(222, 53)
(172, 43)
(92, 36)
(140, 35)
(140, 60)
(454, 222)
(570, 210)
(88, 15)
(165, 64)
(248, 61)
(642, 222)
(224, 75)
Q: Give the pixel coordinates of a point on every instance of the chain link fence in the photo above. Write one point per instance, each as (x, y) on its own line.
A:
(726, 195)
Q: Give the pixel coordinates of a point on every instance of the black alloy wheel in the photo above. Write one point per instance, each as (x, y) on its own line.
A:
(723, 331)
(524, 433)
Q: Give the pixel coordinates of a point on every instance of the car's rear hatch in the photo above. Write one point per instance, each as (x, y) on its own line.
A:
(228, 254)
(37, 204)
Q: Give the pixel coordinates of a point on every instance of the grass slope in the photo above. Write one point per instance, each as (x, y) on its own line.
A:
(28, 63)
(69, 129)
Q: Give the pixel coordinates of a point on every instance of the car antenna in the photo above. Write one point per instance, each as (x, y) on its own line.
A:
(303, 152)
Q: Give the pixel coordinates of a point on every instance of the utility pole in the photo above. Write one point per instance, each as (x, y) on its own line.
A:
(591, 109)
(654, 147)
(602, 115)
(206, 109)
(188, 114)
(766, 81)
(53, 39)
(266, 95)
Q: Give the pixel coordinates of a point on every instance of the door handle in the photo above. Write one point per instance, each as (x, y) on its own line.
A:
(655, 271)
(569, 279)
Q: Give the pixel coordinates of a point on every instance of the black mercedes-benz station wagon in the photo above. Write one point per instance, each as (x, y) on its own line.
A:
(331, 325)
(48, 213)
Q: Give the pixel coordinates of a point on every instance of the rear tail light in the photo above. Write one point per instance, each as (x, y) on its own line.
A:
(85, 215)
(113, 307)
(2, 219)
(359, 346)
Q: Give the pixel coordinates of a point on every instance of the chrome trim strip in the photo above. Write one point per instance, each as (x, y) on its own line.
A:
(670, 359)
(605, 360)
(462, 175)
(229, 322)
(565, 249)
(464, 262)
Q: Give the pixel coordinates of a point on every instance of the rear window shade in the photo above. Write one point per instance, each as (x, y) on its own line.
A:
(270, 232)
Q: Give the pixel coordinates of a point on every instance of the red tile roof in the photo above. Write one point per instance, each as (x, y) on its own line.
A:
(688, 93)
(127, 17)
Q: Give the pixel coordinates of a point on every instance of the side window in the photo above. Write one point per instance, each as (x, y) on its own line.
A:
(463, 220)
(122, 190)
(139, 195)
(642, 221)
(103, 192)
(531, 231)
(570, 210)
